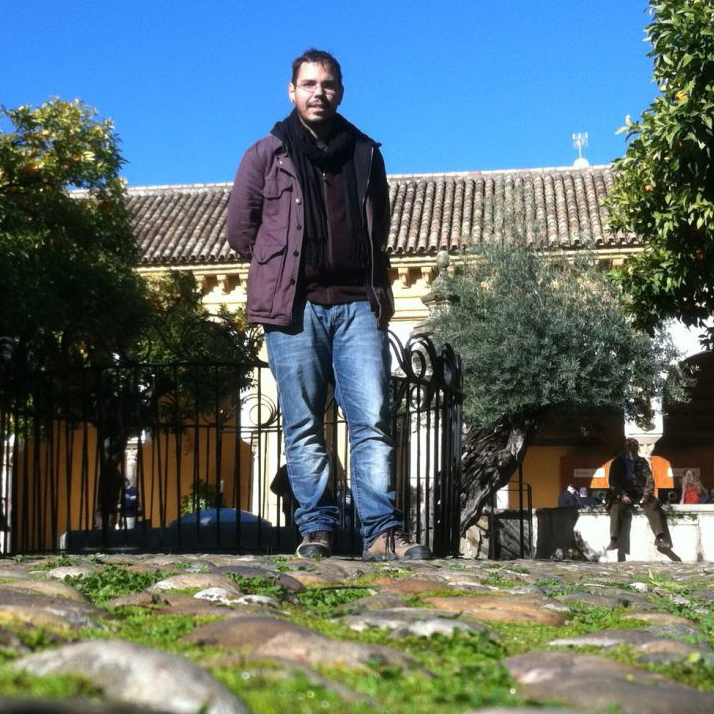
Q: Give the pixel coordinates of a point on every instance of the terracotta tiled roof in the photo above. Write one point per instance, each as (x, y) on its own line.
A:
(185, 224)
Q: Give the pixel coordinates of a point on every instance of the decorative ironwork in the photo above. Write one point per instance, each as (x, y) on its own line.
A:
(137, 454)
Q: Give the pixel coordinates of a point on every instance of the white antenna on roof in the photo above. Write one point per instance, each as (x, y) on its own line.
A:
(580, 141)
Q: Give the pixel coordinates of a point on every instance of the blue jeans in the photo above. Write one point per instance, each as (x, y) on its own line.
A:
(338, 344)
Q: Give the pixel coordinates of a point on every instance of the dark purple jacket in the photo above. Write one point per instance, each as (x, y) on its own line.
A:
(265, 227)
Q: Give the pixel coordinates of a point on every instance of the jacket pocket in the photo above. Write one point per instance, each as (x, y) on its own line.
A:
(277, 202)
(263, 252)
(264, 275)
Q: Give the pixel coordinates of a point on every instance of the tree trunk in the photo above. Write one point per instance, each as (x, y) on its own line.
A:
(489, 458)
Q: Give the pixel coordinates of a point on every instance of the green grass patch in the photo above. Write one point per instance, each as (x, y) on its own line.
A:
(281, 562)
(145, 627)
(692, 672)
(36, 638)
(451, 675)
(14, 684)
(700, 612)
(518, 638)
(257, 586)
(520, 569)
(552, 587)
(457, 673)
(417, 600)
(326, 601)
(387, 570)
(264, 693)
(114, 581)
(59, 561)
(500, 580)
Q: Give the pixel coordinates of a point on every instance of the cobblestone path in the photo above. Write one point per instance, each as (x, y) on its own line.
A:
(222, 634)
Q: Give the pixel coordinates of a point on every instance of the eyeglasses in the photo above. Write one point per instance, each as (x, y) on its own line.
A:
(328, 89)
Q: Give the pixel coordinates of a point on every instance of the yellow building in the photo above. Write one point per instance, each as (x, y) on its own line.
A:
(182, 227)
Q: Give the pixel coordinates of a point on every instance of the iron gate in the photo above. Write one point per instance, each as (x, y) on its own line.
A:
(123, 458)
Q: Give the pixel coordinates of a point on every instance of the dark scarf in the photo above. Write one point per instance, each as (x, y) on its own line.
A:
(338, 156)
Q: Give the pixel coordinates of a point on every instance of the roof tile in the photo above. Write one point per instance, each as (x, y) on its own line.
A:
(186, 224)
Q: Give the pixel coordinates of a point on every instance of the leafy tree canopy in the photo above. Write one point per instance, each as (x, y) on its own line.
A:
(539, 332)
(71, 294)
(63, 256)
(72, 298)
(664, 185)
(68, 253)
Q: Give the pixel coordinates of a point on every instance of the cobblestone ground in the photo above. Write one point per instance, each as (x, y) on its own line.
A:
(225, 634)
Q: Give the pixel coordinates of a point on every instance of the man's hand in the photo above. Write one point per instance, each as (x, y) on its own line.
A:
(626, 500)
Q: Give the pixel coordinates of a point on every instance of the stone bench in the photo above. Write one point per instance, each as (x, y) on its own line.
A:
(585, 533)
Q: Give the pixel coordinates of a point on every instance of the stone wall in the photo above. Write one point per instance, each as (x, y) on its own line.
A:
(583, 534)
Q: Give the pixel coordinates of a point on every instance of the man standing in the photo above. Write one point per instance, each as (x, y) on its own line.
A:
(631, 482)
(310, 211)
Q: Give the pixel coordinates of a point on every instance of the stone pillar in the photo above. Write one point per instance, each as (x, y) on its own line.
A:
(648, 435)
(437, 298)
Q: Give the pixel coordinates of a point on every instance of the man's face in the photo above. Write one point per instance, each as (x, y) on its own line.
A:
(316, 94)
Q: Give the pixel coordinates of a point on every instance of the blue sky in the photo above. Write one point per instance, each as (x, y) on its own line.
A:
(463, 85)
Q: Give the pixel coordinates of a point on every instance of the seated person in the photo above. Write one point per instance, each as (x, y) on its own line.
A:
(586, 500)
(632, 483)
(692, 489)
(569, 498)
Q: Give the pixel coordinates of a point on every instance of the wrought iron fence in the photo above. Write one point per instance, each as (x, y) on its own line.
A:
(177, 457)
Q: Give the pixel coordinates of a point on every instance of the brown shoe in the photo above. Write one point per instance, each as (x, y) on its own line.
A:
(317, 544)
(394, 544)
(613, 544)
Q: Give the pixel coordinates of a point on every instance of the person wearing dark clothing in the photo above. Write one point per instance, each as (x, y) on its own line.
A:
(309, 210)
(632, 483)
(129, 505)
(569, 498)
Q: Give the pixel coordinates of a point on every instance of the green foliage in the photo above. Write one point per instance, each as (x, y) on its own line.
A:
(323, 601)
(35, 638)
(202, 496)
(145, 626)
(21, 685)
(67, 266)
(58, 561)
(451, 674)
(541, 332)
(465, 673)
(63, 255)
(114, 581)
(257, 586)
(177, 327)
(498, 579)
(664, 185)
(268, 693)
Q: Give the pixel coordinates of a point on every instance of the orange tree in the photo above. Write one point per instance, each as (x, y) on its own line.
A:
(664, 184)
(62, 256)
(72, 298)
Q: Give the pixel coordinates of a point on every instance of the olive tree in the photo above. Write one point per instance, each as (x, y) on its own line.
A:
(540, 334)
